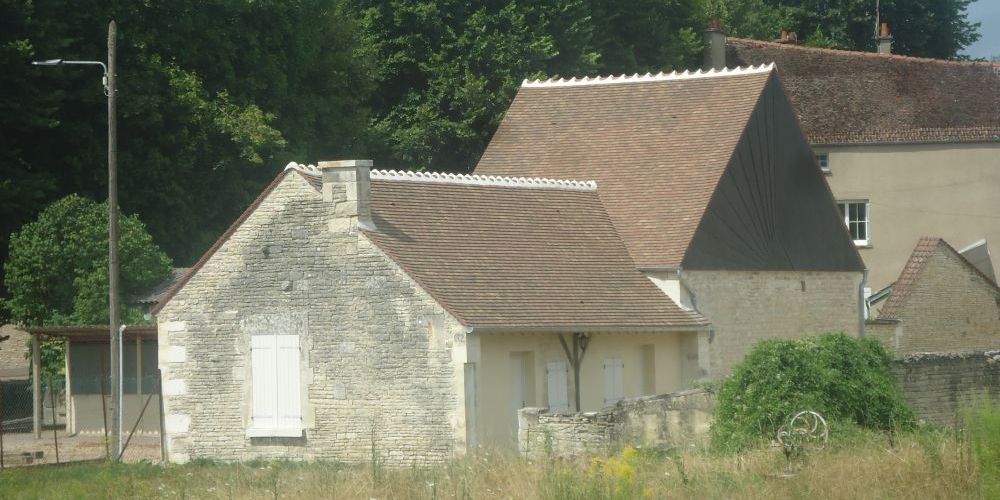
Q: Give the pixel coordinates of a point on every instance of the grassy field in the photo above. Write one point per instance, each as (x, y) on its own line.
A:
(926, 464)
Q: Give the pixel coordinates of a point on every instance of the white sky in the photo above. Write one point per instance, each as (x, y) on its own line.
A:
(986, 12)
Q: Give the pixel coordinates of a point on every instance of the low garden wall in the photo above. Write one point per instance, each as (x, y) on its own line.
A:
(665, 421)
(937, 385)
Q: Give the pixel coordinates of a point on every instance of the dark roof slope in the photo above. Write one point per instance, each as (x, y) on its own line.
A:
(499, 256)
(656, 147)
(908, 279)
(847, 97)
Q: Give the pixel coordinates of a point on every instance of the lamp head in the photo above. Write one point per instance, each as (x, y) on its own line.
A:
(47, 62)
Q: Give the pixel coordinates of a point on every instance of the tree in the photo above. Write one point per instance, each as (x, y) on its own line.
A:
(448, 69)
(57, 272)
(213, 98)
(929, 28)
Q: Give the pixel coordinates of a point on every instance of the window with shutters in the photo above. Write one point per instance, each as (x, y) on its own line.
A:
(556, 375)
(614, 386)
(277, 406)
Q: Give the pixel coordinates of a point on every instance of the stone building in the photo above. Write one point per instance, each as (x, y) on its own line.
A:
(940, 303)
(910, 146)
(350, 312)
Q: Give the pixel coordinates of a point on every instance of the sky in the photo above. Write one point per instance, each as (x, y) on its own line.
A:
(986, 12)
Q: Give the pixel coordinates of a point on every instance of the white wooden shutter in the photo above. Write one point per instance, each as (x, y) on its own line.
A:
(263, 355)
(289, 405)
(555, 372)
(613, 381)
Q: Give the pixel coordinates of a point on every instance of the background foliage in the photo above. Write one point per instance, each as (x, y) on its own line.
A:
(216, 96)
(841, 377)
(930, 28)
(58, 265)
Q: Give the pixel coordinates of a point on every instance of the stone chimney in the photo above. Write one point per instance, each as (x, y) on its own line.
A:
(715, 45)
(884, 40)
(347, 184)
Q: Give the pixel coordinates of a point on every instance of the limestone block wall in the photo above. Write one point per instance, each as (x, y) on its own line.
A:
(951, 308)
(746, 307)
(381, 362)
(937, 385)
(666, 420)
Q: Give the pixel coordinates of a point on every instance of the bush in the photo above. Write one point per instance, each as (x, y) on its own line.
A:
(841, 377)
(982, 429)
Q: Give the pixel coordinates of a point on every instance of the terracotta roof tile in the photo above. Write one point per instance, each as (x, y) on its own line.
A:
(656, 148)
(848, 97)
(514, 257)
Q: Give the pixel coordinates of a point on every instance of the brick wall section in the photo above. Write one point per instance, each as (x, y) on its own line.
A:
(746, 307)
(666, 421)
(381, 361)
(951, 308)
(937, 385)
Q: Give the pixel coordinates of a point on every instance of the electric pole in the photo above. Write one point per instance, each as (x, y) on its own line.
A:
(116, 333)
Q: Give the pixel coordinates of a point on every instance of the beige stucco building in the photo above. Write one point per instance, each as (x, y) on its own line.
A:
(910, 146)
(352, 313)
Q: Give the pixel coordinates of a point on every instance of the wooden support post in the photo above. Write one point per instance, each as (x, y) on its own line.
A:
(575, 357)
(36, 386)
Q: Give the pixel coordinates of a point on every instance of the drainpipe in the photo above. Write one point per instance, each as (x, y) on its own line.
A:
(861, 303)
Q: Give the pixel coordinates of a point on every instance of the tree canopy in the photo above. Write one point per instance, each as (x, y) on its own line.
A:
(929, 28)
(57, 272)
(214, 97)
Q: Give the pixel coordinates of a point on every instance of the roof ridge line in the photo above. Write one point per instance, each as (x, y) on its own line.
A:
(861, 53)
(649, 77)
(484, 180)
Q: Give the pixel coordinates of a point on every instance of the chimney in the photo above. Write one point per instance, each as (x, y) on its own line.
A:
(787, 37)
(715, 45)
(347, 184)
(884, 40)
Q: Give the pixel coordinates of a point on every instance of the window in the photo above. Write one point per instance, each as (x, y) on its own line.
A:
(614, 389)
(277, 407)
(555, 374)
(855, 214)
(824, 161)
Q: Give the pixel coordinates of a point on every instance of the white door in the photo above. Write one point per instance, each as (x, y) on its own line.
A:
(555, 375)
(614, 386)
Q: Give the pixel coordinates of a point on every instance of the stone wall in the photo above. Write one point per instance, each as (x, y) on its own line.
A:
(746, 307)
(381, 362)
(665, 421)
(951, 308)
(937, 385)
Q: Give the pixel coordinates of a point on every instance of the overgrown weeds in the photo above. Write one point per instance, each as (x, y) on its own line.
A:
(982, 430)
(858, 463)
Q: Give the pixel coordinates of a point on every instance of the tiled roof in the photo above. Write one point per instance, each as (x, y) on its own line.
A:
(911, 274)
(848, 97)
(656, 147)
(508, 257)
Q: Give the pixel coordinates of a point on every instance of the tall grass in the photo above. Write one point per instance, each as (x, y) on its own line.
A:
(982, 430)
(931, 465)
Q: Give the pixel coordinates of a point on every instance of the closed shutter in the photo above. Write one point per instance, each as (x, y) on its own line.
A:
(614, 388)
(556, 377)
(263, 355)
(289, 408)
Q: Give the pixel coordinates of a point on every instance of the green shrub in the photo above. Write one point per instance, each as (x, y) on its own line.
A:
(841, 377)
(982, 429)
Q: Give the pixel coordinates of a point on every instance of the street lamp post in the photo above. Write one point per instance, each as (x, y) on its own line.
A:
(110, 90)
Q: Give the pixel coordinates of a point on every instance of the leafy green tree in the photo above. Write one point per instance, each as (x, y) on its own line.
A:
(846, 379)
(213, 98)
(448, 69)
(57, 272)
(930, 28)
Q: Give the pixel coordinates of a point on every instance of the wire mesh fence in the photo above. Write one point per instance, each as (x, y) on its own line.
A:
(73, 421)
